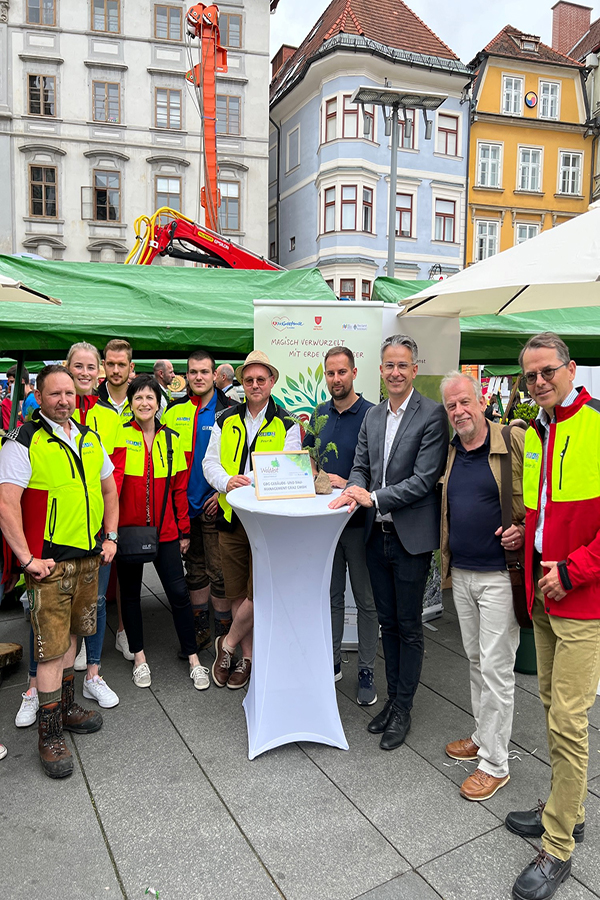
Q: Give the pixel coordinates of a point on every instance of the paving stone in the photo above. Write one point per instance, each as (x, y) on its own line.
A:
(486, 869)
(409, 886)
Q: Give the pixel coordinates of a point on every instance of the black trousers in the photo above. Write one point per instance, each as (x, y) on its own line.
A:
(169, 569)
(398, 580)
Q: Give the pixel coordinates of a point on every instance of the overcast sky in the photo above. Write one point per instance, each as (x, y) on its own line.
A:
(465, 27)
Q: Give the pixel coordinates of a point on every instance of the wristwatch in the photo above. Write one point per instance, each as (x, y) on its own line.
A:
(112, 536)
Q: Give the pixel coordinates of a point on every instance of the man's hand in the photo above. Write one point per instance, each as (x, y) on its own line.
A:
(361, 496)
(343, 500)
(237, 481)
(211, 506)
(512, 538)
(337, 481)
(107, 554)
(550, 584)
(40, 568)
(184, 545)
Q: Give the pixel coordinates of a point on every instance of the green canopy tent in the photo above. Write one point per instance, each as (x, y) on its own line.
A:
(497, 340)
(160, 310)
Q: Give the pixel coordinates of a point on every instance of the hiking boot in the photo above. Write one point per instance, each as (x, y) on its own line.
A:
(222, 627)
(74, 718)
(55, 757)
(202, 629)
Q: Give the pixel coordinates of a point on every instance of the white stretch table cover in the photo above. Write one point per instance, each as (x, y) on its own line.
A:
(291, 696)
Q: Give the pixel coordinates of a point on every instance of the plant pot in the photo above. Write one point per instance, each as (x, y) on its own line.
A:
(322, 483)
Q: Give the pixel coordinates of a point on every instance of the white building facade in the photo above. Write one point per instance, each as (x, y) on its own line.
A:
(98, 124)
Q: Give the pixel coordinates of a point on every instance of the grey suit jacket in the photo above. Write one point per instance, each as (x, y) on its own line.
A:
(416, 461)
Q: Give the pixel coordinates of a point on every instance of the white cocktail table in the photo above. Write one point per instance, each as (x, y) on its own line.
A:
(291, 696)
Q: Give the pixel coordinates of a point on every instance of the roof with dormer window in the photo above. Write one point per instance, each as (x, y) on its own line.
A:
(515, 44)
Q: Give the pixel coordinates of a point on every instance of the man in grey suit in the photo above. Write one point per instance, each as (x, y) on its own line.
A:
(400, 455)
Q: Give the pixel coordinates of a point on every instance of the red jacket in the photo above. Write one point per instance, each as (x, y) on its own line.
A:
(145, 470)
(90, 410)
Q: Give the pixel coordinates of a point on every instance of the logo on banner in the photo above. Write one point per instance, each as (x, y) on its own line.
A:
(285, 324)
(353, 326)
(318, 325)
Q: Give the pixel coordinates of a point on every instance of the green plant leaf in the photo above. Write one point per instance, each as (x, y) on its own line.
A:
(300, 379)
(331, 447)
(309, 370)
(319, 373)
(293, 384)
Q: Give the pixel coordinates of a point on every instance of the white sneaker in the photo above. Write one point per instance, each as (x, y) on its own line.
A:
(199, 676)
(80, 664)
(3, 751)
(122, 644)
(97, 689)
(141, 675)
(27, 710)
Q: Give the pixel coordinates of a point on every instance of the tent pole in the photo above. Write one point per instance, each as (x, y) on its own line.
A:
(14, 410)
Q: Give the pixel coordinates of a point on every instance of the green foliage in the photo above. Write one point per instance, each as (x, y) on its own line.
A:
(526, 411)
(314, 427)
(301, 395)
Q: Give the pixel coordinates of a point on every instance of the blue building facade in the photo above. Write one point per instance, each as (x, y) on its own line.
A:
(329, 182)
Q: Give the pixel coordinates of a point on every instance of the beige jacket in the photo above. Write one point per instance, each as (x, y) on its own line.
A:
(497, 449)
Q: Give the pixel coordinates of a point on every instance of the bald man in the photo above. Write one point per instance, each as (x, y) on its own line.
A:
(224, 381)
(164, 374)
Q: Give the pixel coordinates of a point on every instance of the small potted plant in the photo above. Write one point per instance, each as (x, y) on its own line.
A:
(317, 452)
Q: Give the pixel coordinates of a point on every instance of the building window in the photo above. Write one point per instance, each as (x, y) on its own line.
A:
(107, 196)
(292, 244)
(350, 118)
(548, 100)
(366, 290)
(369, 115)
(106, 15)
(42, 192)
(41, 12)
(41, 92)
(407, 141)
(229, 211)
(228, 114)
(348, 207)
(486, 240)
(329, 212)
(512, 96)
(524, 232)
(570, 173)
(230, 27)
(530, 169)
(329, 283)
(404, 207)
(272, 250)
(331, 120)
(168, 108)
(167, 23)
(367, 222)
(293, 149)
(347, 289)
(447, 135)
(488, 173)
(445, 215)
(168, 193)
(107, 101)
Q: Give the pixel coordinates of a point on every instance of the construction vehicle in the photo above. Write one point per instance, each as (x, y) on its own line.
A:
(167, 232)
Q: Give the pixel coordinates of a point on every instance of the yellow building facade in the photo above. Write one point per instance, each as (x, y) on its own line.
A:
(529, 156)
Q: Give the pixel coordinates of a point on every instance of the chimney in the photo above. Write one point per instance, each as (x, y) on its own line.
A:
(570, 22)
(281, 57)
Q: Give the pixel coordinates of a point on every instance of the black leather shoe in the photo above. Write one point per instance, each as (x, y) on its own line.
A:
(379, 723)
(528, 824)
(541, 879)
(398, 728)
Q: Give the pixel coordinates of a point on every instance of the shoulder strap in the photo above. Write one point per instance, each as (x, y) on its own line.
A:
(512, 558)
(169, 440)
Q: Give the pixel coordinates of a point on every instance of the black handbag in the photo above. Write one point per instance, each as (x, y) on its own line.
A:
(139, 543)
(515, 560)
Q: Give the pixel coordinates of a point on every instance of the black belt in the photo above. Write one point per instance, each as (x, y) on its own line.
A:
(385, 527)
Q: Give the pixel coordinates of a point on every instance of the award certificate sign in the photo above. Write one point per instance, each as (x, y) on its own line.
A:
(283, 475)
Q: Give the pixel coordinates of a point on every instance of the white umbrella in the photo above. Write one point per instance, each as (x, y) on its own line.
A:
(558, 269)
(16, 290)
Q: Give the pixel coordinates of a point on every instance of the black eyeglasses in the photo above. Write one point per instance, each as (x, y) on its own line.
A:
(547, 374)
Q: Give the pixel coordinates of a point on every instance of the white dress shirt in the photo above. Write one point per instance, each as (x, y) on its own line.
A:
(214, 472)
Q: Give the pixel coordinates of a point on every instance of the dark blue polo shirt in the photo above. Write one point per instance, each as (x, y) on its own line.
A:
(474, 511)
(341, 428)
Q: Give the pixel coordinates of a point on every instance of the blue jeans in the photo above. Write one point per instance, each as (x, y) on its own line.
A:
(93, 643)
(398, 580)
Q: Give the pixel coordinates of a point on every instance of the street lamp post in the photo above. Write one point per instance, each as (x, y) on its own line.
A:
(395, 99)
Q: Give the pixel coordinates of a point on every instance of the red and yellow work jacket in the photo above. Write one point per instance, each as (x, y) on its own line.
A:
(145, 480)
(572, 511)
(103, 418)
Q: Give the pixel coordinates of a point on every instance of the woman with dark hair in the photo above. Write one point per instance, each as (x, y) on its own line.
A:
(154, 493)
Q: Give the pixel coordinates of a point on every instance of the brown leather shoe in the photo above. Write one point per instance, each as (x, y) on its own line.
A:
(464, 748)
(240, 676)
(55, 757)
(74, 717)
(222, 664)
(481, 786)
